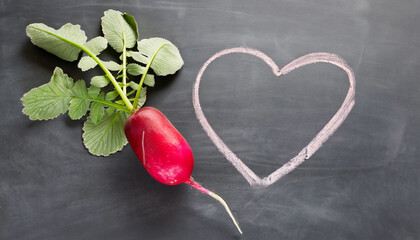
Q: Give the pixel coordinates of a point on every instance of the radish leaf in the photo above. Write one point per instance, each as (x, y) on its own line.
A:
(111, 95)
(149, 80)
(79, 104)
(103, 129)
(62, 42)
(135, 69)
(142, 98)
(113, 66)
(61, 94)
(132, 22)
(86, 63)
(93, 91)
(168, 60)
(51, 99)
(107, 136)
(99, 81)
(138, 57)
(110, 110)
(96, 46)
(118, 31)
(97, 108)
(97, 111)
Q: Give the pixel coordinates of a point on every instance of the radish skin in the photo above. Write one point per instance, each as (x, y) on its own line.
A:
(164, 152)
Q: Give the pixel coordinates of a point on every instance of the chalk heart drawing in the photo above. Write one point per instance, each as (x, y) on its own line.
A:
(313, 145)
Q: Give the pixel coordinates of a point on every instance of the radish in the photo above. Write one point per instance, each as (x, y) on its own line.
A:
(162, 150)
(164, 153)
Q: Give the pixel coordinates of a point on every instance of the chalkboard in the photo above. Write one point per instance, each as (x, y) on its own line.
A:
(362, 183)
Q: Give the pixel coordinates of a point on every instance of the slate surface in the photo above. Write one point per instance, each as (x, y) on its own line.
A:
(362, 184)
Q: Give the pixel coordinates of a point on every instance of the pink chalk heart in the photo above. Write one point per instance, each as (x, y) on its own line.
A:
(313, 145)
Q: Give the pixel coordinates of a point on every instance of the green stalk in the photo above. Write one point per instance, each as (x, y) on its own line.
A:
(111, 78)
(111, 104)
(130, 92)
(124, 69)
(97, 60)
(136, 99)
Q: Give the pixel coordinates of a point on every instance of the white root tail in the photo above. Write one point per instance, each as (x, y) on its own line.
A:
(197, 186)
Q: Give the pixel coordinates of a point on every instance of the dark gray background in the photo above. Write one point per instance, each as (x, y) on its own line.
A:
(362, 184)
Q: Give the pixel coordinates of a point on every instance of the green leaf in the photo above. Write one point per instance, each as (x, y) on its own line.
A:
(99, 81)
(133, 24)
(82, 98)
(110, 110)
(142, 98)
(96, 45)
(112, 66)
(51, 99)
(111, 95)
(149, 80)
(138, 57)
(62, 42)
(133, 85)
(79, 105)
(135, 69)
(107, 136)
(86, 63)
(93, 92)
(119, 76)
(118, 31)
(59, 95)
(167, 61)
(97, 111)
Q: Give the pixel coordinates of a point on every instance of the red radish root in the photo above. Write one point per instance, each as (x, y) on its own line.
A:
(162, 150)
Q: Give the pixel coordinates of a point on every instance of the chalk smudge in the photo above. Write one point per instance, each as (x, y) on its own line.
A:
(313, 145)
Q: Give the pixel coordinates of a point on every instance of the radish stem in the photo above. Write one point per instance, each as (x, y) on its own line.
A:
(197, 186)
(124, 68)
(143, 77)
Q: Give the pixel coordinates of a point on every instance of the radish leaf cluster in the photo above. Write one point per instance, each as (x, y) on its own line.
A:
(106, 109)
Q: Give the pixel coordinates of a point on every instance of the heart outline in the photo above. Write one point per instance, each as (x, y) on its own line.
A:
(320, 138)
